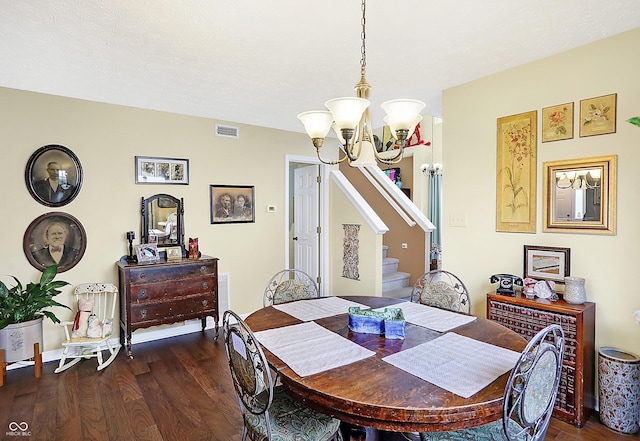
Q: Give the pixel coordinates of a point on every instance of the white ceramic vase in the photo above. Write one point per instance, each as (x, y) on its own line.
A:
(574, 291)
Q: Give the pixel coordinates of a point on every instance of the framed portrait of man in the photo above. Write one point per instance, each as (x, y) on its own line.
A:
(54, 238)
(53, 175)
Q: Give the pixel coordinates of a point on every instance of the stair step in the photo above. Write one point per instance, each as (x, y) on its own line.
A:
(395, 280)
(399, 293)
(389, 265)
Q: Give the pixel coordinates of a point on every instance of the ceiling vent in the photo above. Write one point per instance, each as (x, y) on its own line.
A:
(227, 131)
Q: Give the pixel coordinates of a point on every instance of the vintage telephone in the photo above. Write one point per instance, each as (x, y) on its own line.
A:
(506, 283)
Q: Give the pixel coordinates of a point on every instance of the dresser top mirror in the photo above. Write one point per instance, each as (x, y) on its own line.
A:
(163, 220)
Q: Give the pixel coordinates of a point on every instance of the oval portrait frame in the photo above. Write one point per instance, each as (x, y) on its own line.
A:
(36, 243)
(69, 172)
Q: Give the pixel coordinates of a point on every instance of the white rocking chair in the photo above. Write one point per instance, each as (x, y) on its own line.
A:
(89, 334)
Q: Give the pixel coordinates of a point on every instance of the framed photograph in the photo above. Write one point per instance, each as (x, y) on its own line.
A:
(232, 204)
(598, 115)
(54, 238)
(53, 175)
(546, 263)
(557, 122)
(174, 253)
(516, 173)
(147, 253)
(150, 170)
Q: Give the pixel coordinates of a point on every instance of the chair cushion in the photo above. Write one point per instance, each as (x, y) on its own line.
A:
(488, 432)
(540, 388)
(440, 294)
(290, 290)
(290, 421)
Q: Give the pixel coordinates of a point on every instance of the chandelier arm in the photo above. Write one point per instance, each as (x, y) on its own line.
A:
(331, 162)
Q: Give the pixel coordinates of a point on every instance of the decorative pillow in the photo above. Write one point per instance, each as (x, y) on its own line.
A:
(95, 327)
(81, 322)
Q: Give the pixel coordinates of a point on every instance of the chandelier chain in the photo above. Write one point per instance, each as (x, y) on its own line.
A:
(363, 36)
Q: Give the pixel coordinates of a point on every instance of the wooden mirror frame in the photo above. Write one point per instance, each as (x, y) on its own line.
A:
(607, 219)
(145, 211)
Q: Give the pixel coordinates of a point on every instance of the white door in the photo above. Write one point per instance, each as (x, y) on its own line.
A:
(306, 220)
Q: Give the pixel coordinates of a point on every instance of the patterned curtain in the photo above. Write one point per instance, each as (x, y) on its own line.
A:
(435, 214)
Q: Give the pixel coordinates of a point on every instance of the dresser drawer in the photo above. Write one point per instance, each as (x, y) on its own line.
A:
(171, 311)
(171, 289)
(164, 273)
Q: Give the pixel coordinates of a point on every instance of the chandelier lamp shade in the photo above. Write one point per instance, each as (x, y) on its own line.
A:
(351, 120)
(584, 180)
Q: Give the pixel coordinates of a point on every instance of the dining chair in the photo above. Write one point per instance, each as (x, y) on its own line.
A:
(529, 396)
(289, 285)
(442, 289)
(268, 412)
(90, 333)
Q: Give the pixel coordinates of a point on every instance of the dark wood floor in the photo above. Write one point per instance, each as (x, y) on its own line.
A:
(174, 389)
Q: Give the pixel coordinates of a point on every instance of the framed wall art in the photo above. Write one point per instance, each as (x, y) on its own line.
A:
(598, 115)
(546, 263)
(516, 173)
(150, 170)
(53, 175)
(232, 204)
(557, 122)
(54, 238)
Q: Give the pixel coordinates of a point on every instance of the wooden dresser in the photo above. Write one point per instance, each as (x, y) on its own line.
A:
(528, 316)
(167, 292)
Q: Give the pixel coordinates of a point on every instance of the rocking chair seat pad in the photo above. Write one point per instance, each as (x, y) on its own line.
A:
(487, 432)
(289, 421)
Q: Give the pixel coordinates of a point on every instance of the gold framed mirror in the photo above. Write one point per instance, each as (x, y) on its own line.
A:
(580, 195)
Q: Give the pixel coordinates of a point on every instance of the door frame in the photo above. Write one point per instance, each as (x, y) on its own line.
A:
(323, 242)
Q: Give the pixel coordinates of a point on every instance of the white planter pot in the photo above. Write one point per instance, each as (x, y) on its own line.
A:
(17, 340)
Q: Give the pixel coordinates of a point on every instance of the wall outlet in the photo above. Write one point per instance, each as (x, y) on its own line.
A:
(458, 219)
(271, 208)
(405, 246)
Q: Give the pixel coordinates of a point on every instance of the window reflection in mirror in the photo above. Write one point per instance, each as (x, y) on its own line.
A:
(579, 195)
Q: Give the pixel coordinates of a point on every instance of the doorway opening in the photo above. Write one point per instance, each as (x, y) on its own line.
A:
(307, 218)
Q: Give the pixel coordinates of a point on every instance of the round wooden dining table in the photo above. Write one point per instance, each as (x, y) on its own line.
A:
(373, 393)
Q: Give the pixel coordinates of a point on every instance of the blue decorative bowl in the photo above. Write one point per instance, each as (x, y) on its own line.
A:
(389, 322)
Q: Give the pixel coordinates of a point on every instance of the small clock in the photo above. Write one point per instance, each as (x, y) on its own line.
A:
(543, 289)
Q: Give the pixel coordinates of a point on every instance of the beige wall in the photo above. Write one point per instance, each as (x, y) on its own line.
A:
(106, 138)
(608, 263)
(369, 253)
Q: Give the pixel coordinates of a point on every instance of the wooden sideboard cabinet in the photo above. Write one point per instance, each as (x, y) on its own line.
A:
(528, 316)
(167, 292)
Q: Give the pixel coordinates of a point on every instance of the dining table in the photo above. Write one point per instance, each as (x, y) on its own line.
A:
(372, 391)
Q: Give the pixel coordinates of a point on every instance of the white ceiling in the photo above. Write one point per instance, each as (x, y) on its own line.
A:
(263, 62)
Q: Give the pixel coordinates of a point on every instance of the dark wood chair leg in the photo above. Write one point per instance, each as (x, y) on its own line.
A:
(37, 358)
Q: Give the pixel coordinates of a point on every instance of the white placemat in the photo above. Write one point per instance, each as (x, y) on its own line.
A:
(315, 309)
(308, 348)
(437, 319)
(456, 363)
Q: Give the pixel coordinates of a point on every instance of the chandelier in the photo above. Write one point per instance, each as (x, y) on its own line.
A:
(351, 120)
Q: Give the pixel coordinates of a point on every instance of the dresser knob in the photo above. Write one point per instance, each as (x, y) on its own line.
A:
(205, 285)
(142, 294)
(205, 303)
(143, 313)
(203, 269)
(143, 275)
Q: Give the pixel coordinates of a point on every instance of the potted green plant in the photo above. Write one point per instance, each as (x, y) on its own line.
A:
(22, 310)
